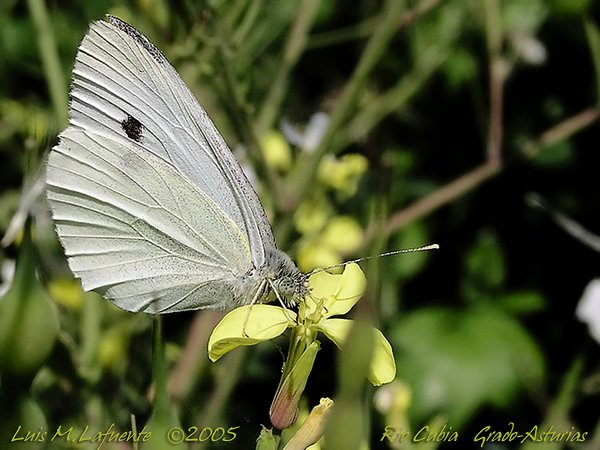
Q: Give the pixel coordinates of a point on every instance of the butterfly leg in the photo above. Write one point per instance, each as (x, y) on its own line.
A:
(254, 300)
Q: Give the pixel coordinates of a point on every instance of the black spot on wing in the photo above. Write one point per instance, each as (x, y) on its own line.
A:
(132, 128)
(138, 37)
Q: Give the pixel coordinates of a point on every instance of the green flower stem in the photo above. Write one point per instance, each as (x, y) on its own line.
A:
(592, 33)
(302, 352)
(305, 172)
(92, 312)
(365, 28)
(355, 31)
(558, 412)
(294, 46)
(233, 14)
(247, 22)
(392, 100)
(163, 414)
(211, 413)
(347, 427)
(159, 370)
(50, 60)
(297, 346)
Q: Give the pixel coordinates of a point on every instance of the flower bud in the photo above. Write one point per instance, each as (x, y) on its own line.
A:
(284, 409)
(313, 427)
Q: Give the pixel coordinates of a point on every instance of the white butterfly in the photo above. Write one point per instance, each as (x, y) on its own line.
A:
(152, 208)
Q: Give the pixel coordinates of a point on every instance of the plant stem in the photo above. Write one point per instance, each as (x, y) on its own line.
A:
(558, 412)
(159, 370)
(439, 197)
(561, 131)
(187, 374)
(50, 61)
(294, 45)
(305, 172)
(245, 25)
(497, 76)
(365, 28)
(356, 31)
(232, 367)
(389, 101)
(493, 164)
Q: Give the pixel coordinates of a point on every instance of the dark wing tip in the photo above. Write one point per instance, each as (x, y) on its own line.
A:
(138, 37)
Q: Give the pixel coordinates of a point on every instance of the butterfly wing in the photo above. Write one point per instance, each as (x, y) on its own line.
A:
(151, 206)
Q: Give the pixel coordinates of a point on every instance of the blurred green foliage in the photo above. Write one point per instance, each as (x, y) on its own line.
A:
(483, 330)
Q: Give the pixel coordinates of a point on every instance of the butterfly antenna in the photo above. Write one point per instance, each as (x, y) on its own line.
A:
(394, 252)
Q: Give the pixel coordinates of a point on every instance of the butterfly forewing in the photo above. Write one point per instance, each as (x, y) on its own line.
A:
(119, 74)
(151, 206)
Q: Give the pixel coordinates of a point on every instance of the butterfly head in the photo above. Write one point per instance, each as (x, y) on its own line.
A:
(285, 278)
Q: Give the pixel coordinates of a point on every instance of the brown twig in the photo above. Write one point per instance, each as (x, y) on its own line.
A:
(491, 167)
(561, 131)
(421, 9)
(441, 196)
(493, 163)
(497, 76)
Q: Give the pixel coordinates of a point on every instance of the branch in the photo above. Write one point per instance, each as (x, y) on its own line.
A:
(562, 131)
(497, 76)
(438, 198)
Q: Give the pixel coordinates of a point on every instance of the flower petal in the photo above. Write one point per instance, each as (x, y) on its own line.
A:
(352, 287)
(341, 291)
(335, 329)
(262, 322)
(383, 365)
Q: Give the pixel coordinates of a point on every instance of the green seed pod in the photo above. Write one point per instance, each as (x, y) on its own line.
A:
(23, 425)
(28, 318)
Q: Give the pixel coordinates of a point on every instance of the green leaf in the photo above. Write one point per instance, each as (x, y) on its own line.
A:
(267, 440)
(457, 362)
(521, 302)
(484, 267)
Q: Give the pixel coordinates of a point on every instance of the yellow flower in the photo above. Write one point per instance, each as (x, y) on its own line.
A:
(313, 253)
(330, 295)
(277, 151)
(66, 292)
(342, 234)
(311, 216)
(343, 173)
